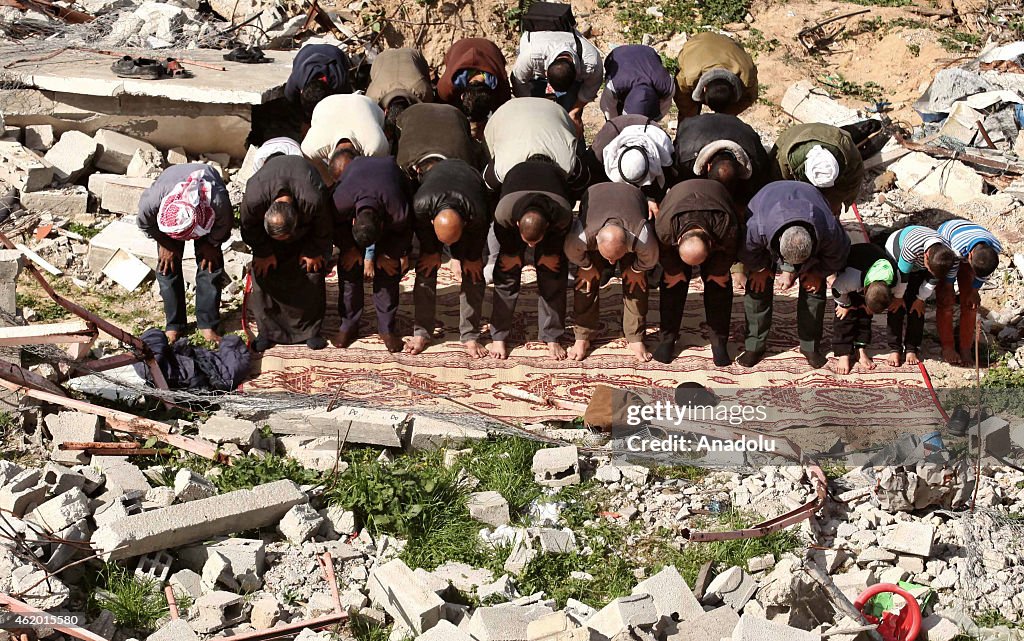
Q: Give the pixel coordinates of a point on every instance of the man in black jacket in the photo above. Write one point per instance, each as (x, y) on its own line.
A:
(287, 221)
(188, 202)
(723, 148)
(535, 211)
(371, 196)
(451, 208)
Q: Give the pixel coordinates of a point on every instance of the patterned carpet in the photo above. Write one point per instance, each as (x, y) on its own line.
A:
(783, 381)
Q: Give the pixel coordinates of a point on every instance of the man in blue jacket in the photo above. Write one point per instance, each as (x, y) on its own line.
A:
(318, 71)
(792, 234)
(636, 83)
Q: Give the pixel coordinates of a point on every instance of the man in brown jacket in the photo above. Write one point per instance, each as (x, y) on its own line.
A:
(399, 78)
(697, 225)
(611, 229)
(475, 80)
(716, 71)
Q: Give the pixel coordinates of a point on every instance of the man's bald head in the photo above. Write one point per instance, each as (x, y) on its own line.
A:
(281, 218)
(724, 169)
(448, 225)
(612, 243)
(694, 247)
(342, 156)
(532, 227)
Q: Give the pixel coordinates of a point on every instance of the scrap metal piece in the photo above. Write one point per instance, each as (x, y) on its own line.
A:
(816, 37)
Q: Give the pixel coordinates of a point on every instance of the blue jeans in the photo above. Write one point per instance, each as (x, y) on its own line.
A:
(172, 290)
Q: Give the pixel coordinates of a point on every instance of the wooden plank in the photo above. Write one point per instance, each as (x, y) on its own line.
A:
(77, 331)
(38, 260)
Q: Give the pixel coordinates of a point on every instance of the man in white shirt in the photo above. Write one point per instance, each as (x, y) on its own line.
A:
(351, 120)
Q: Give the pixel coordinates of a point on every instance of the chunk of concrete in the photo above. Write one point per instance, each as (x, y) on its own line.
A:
(314, 452)
(554, 541)
(174, 630)
(503, 589)
(444, 631)
(807, 103)
(464, 578)
(673, 598)
(119, 194)
(353, 424)
(733, 587)
(186, 523)
(557, 466)
(23, 169)
(939, 628)
(120, 475)
(145, 163)
(62, 510)
(920, 173)
(218, 610)
(72, 156)
(910, 538)
(117, 149)
(189, 486)
(38, 589)
(751, 628)
(995, 437)
(553, 627)
(188, 583)
(394, 587)
(226, 429)
(266, 612)
(71, 427)
(177, 156)
(713, 624)
(504, 622)
(69, 201)
(25, 491)
(39, 138)
(300, 524)
(338, 522)
(488, 507)
(429, 434)
(852, 584)
(637, 610)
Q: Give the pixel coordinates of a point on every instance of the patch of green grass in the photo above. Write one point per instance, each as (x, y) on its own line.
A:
(249, 471)
(85, 231)
(505, 465)
(833, 468)
(914, 49)
(683, 472)
(955, 41)
(677, 17)
(46, 310)
(363, 631)
(757, 43)
(136, 603)
(994, 618)
(868, 92)
(720, 12)
(671, 64)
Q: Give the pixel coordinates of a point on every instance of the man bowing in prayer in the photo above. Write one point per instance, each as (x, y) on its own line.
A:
(287, 220)
(188, 202)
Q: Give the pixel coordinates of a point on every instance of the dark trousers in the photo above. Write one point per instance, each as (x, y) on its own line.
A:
(852, 331)
(551, 289)
(471, 306)
(910, 341)
(172, 291)
(810, 316)
(350, 299)
(717, 307)
(587, 305)
(539, 88)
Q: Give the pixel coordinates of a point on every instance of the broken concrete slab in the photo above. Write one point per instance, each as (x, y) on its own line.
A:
(24, 169)
(121, 475)
(488, 507)
(557, 466)
(190, 486)
(71, 427)
(554, 541)
(338, 522)
(636, 611)
(119, 194)
(62, 510)
(72, 156)
(117, 150)
(300, 524)
(315, 452)
(40, 138)
(927, 176)
(429, 434)
(174, 630)
(909, 538)
(751, 628)
(352, 424)
(852, 584)
(226, 429)
(38, 589)
(147, 163)
(218, 610)
(186, 523)
(444, 631)
(713, 624)
(733, 587)
(68, 202)
(673, 598)
(23, 493)
(807, 103)
(394, 587)
(266, 612)
(187, 582)
(125, 235)
(553, 627)
(504, 622)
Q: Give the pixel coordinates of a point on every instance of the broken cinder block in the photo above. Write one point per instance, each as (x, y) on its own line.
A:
(116, 150)
(394, 587)
(72, 156)
(557, 466)
(488, 507)
(23, 169)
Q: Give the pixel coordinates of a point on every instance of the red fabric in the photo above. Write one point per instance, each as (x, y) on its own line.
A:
(185, 213)
(474, 53)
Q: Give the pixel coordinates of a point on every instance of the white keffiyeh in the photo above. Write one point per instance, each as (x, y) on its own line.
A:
(650, 139)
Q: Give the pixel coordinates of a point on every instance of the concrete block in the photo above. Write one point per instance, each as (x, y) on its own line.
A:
(158, 497)
(120, 475)
(67, 202)
(145, 163)
(938, 628)
(519, 557)
(217, 571)
(119, 194)
(187, 582)
(554, 541)
(673, 598)
(218, 610)
(394, 587)
(488, 507)
(25, 491)
(72, 156)
(61, 511)
(116, 150)
(761, 563)
(177, 156)
(186, 523)
(11, 134)
(430, 434)
(49, 593)
(636, 610)
(503, 589)
(315, 452)
(300, 524)
(714, 624)
(751, 628)
(266, 612)
(125, 235)
(444, 631)
(174, 630)
(464, 578)
(21, 168)
(807, 103)
(245, 556)
(189, 486)
(909, 538)
(71, 426)
(504, 622)
(226, 429)
(920, 173)
(353, 424)
(39, 138)
(853, 583)
(553, 627)
(338, 522)
(733, 587)
(155, 566)
(995, 436)
(557, 466)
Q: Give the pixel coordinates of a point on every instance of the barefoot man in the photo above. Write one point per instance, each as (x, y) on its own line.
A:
(534, 212)
(861, 290)
(612, 229)
(188, 202)
(451, 208)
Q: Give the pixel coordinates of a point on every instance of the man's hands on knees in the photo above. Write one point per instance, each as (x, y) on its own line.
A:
(917, 307)
(671, 280)
(586, 279)
(261, 266)
(550, 262)
(633, 281)
(507, 263)
(312, 263)
(428, 264)
(812, 281)
(350, 258)
(473, 270)
(390, 265)
(210, 256)
(758, 281)
(166, 259)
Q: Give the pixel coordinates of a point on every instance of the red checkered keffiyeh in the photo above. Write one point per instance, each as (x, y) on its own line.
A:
(185, 213)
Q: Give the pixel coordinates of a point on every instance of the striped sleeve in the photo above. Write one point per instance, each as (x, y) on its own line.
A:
(963, 236)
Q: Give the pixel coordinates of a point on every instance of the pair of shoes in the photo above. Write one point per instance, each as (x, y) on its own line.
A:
(720, 354)
(140, 68)
(815, 359)
(749, 359)
(316, 343)
(666, 350)
(958, 421)
(247, 55)
(262, 344)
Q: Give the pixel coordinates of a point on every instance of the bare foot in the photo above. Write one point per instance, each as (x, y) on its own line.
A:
(392, 342)
(171, 335)
(498, 350)
(966, 357)
(556, 351)
(211, 335)
(865, 360)
(894, 359)
(416, 344)
(912, 358)
(641, 352)
(951, 356)
(843, 366)
(343, 339)
(475, 349)
(578, 351)
(456, 267)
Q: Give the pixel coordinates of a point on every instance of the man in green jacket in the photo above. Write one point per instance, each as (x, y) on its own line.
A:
(824, 156)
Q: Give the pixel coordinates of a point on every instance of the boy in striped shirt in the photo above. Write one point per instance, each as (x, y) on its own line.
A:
(923, 259)
(978, 251)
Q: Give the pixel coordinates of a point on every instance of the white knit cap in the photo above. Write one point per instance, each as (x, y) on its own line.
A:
(821, 167)
(633, 164)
